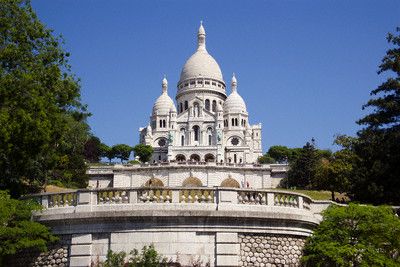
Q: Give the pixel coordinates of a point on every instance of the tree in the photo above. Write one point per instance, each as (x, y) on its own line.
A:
(266, 159)
(17, 231)
(334, 172)
(378, 169)
(280, 153)
(92, 149)
(39, 100)
(303, 170)
(121, 151)
(354, 236)
(144, 152)
(106, 152)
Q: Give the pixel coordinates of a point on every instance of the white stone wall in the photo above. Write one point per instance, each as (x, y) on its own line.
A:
(183, 247)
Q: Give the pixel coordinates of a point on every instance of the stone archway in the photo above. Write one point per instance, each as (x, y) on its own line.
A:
(230, 182)
(180, 157)
(209, 158)
(154, 182)
(195, 157)
(192, 182)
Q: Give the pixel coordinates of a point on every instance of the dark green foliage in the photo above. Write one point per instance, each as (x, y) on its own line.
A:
(334, 171)
(148, 257)
(144, 152)
(43, 125)
(303, 170)
(377, 176)
(121, 151)
(355, 236)
(266, 159)
(92, 149)
(17, 230)
(106, 152)
(280, 153)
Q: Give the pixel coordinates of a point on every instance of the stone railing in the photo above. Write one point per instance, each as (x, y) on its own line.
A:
(105, 169)
(174, 195)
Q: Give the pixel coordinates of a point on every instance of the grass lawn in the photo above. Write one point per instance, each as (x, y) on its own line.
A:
(317, 195)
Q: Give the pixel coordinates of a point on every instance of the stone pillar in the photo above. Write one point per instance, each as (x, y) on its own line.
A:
(81, 250)
(227, 249)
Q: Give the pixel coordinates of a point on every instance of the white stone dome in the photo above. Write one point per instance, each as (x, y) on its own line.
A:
(201, 63)
(234, 103)
(164, 104)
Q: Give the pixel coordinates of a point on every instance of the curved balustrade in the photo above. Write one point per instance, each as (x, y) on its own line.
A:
(177, 195)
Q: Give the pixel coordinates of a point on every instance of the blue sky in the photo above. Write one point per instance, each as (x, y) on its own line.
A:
(304, 68)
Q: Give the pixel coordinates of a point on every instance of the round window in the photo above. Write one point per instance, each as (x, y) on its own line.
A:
(235, 141)
(161, 142)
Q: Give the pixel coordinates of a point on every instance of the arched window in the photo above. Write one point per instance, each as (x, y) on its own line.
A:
(186, 105)
(207, 104)
(181, 107)
(236, 122)
(160, 123)
(209, 158)
(196, 130)
(180, 157)
(163, 123)
(234, 158)
(214, 105)
(233, 122)
(182, 136)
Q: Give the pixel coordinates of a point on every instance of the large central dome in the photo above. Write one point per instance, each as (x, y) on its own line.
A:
(201, 64)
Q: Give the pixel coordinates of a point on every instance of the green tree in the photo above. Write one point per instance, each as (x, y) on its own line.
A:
(334, 171)
(148, 257)
(144, 152)
(107, 152)
(39, 102)
(17, 231)
(92, 149)
(121, 151)
(302, 171)
(280, 153)
(355, 236)
(266, 159)
(377, 172)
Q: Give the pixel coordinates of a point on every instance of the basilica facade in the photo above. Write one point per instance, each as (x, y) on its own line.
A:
(205, 124)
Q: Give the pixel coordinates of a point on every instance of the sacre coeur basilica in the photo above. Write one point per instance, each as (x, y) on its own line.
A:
(202, 200)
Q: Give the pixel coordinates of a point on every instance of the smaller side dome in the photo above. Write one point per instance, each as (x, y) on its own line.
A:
(234, 103)
(164, 104)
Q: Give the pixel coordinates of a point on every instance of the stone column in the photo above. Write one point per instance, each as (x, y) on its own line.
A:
(81, 250)
(227, 249)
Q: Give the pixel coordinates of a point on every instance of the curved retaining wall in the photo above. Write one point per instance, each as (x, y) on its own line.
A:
(215, 226)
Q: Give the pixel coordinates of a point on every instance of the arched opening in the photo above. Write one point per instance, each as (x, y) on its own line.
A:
(196, 131)
(192, 182)
(234, 158)
(186, 105)
(182, 140)
(160, 123)
(209, 133)
(180, 157)
(214, 105)
(181, 107)
(154, 182)
(207, 104)
(209, 158)
(194, 157)
(236, 122)
(230, 182)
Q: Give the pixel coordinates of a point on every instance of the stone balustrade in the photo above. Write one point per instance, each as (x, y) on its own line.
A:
(184, 195)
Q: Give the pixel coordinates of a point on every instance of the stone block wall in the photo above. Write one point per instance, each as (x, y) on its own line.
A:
(270, 250)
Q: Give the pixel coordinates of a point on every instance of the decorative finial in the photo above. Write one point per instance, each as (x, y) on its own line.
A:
(164, 84)
(234, 83)
(201, 37)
